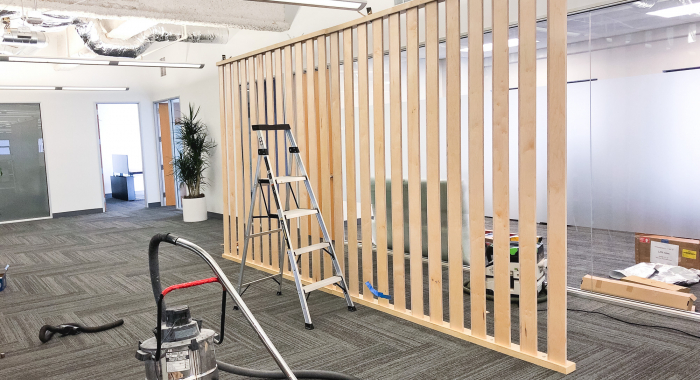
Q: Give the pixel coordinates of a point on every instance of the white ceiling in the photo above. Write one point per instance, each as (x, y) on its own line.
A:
(231, 13)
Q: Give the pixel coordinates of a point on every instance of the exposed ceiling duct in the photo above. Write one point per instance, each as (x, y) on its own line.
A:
(96, 39)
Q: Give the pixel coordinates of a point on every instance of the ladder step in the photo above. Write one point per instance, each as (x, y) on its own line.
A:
(322, 283)
(298, 213)
(288, 179)
(310, 248)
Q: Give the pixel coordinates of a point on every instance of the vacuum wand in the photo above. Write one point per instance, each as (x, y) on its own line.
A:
(155, 282)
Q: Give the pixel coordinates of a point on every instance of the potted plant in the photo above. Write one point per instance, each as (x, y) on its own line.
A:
(190, 162)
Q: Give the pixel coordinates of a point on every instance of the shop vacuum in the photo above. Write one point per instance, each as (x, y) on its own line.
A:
(183, 350)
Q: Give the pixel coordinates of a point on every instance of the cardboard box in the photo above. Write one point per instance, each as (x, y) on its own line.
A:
(637, 292)
(656, 284)
(667, 250)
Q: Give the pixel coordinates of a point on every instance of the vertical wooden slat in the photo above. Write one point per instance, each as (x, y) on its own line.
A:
(501, 217)
(414, 179)
(324, 151)
(477, 265)
(556, 181)
(312, 167)
(246, 69)
(454, 166)
(363, 98)
(230, 164)
(432, 144)
(289, 119)
(280, 159)
(263, 224)
(254, 104)
(396, 163)
(301, 142)
(238, 155)
(350, 178)
(271, 240)
(380, 219)
(336, 138)
(223, 79)
(527, 185)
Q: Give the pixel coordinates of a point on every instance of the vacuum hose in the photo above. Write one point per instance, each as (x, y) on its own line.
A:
(47, 331)
(310, 374)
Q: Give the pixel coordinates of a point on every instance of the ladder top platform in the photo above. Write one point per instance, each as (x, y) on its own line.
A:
(271, 127)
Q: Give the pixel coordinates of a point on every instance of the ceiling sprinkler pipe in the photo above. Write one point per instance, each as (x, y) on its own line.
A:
(95, 38)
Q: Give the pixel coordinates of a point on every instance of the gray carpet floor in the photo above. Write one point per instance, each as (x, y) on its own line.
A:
(93, 269)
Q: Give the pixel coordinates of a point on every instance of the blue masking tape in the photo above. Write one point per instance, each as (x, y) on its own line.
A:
(664, 241)
(376, 292)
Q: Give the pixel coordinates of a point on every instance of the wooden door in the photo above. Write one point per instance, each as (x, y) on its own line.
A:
(167, 148)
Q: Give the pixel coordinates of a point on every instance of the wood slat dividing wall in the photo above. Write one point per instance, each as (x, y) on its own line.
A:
(269, 224)
(353, 272)
(238, 159)
(279, 159)
(366, 214)
(432, 145)
(223, 104)
(313, 103)
(380, 219)
(527, 184)
(254, 117)
(414, 160)
(245, 131)
(291, 165)
(501, 218)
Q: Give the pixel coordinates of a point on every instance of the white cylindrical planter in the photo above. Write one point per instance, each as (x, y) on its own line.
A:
(194, 209)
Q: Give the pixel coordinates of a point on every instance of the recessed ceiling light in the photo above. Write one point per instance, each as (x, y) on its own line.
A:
(68, 88)
(683, 10)
(99, 62)
(337, 4)
(513, 42)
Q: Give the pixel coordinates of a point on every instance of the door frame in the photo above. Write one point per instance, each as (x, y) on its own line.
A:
(99, 152)
(159, 143)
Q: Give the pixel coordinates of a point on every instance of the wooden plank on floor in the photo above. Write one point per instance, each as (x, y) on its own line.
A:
(501, 217)
(223, 79)
(337, 141)
(380, 219)
(238, 155)
(302, 138)
(527, 184)
(313, 165)
(350, 178)
(454, 165)
(324, 151)
(556, 181)
(397, 222)
(290, 119)
(477, 275)
(365, 194)
(432, 144)
(414, 161)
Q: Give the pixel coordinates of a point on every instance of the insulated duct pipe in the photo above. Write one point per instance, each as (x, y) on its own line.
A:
(95, 37)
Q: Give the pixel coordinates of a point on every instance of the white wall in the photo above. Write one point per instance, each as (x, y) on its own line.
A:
(69, 121)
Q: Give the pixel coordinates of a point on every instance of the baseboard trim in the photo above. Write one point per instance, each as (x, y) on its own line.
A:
(215, 215)
(154, 204)
(77, 212)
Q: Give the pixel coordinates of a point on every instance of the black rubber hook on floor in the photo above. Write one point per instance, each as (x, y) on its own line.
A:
(47, 331)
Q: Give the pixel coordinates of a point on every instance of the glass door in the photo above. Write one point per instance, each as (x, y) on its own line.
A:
(23, 186)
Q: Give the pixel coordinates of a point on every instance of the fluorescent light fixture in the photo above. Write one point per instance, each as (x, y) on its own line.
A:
(71, 88)
(336, 4)
(513, 42)
(683, 10)
(99, 62)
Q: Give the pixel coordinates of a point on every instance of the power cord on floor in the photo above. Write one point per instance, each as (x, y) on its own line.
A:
(630, 323)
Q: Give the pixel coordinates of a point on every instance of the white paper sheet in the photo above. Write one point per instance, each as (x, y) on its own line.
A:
(664, 253)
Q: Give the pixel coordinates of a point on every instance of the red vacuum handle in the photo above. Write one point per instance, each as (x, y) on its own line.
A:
(189, 285)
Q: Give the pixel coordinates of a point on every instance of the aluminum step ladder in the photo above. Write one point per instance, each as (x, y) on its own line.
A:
(283, 217)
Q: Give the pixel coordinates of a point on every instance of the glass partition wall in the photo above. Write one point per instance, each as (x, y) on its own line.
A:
(23, 186)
